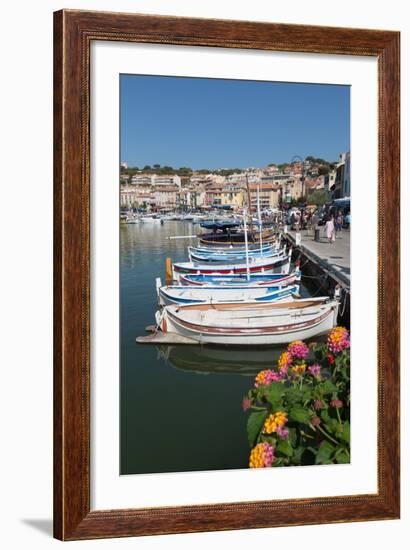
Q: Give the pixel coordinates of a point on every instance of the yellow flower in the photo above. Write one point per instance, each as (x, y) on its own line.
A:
(275, 421)
(299, 369)
(285, 360)
(261, 456)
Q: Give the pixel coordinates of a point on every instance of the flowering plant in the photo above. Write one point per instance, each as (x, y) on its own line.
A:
(299, 411)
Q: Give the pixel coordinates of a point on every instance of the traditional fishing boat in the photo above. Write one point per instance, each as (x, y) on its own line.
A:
(235, 239)
(249, 324)
(232, 257)
(171, 295)
(241, 280)
(254, 265)
(202, 249)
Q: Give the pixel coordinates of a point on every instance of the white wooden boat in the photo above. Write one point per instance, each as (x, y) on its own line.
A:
(255, 265)
(149, 219)
(250, 324)
(237, 249)
(174, 295)
(231, 256)
(241, 280)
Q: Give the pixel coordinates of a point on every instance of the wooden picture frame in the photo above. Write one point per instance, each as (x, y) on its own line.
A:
(74, 32)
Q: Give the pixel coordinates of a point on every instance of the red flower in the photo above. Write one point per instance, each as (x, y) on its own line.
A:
(336, 403)
(246, 404)
(330, 358)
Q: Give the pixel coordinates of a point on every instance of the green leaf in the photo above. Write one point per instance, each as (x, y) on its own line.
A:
(328, 387)
(343, 456)
(293, 396)
(292, 436)
(325, 453)
(297, 455)
(345, 435)
(284, 447)
(333, 425)
(273, 393)
(299, 414)
(255, 424)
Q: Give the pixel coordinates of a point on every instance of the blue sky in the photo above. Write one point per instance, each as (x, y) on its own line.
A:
(213, 123)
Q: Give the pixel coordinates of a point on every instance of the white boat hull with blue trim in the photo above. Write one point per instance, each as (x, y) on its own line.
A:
(174, 295)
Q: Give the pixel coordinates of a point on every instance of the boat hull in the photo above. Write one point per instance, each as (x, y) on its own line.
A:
(179, 295)
(297, 328)
(240, 280)
(281, 263)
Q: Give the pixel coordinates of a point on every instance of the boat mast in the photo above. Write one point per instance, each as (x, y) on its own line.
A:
(260, 221)
(245, 230)
(249, 203)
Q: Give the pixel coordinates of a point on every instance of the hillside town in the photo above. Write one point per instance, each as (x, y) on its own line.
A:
(161, 189)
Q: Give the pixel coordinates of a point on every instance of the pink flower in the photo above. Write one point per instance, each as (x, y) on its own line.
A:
(315, 421)
(318, 404)
(314, 370)
(246, 404)
(338, 339)
(336, 403)
(282, 432)
(298, 349)
(266, 377)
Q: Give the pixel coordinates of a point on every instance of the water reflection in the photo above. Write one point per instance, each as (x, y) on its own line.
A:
(217, 360)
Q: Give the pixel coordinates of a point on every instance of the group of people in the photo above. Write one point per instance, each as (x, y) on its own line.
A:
(334, 225)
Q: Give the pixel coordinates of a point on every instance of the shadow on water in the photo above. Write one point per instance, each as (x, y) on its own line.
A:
(216, 360)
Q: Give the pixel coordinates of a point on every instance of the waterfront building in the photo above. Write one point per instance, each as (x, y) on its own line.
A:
(233, 196)
(166, 196)
(341, 187)
(269, 196)
(155, 179)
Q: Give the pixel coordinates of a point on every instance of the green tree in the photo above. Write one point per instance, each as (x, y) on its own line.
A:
(319, 197)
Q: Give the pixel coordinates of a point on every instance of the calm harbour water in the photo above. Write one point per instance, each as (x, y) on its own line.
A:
(180, 405)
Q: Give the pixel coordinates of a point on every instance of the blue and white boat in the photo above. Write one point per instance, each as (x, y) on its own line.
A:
(242, 280)
(277, 264)
(232, 257)
(237, 250)
(182, 295)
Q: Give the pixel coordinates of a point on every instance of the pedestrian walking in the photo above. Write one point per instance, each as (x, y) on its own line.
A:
(330, 230)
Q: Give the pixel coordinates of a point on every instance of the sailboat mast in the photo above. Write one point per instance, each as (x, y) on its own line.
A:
(260, 221)
(249, 203)
(245, 230)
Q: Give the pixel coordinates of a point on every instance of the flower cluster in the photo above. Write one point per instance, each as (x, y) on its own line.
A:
(315, 370)
(338, 340)
(261, 456)
(299, 409)
(274, 422)
(298, 349)
(285, 361)
(265, 377)
(299, 369)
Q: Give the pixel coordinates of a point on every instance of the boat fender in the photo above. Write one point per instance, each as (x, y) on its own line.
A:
(337, 292)
(158, 285)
